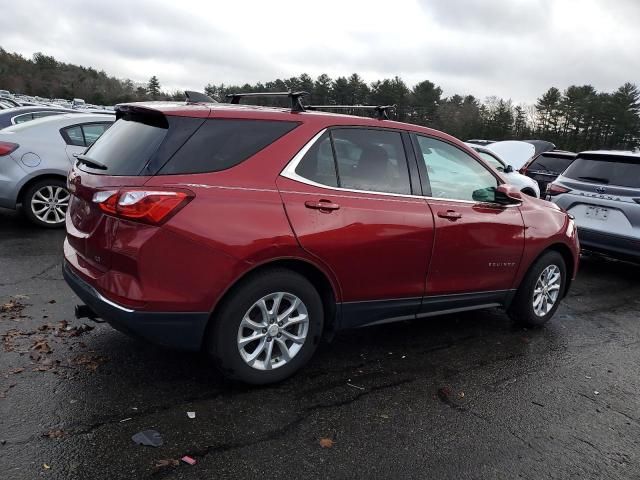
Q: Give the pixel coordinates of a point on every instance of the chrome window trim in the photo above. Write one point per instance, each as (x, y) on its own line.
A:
(289, 172)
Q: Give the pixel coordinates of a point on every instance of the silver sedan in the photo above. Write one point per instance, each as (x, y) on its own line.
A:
(35, 158)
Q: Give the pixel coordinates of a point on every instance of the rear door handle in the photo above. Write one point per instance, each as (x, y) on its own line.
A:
(449, 214)
(322, 205)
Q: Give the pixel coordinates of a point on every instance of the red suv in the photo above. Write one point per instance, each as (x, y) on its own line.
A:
(250, 232)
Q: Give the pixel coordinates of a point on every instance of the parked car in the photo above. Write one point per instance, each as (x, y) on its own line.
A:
(524, 183)
(14, 116)
(243, 231)
(546, 167)
(9, 102)
(601, 189)
(35, 159)
(518, 152)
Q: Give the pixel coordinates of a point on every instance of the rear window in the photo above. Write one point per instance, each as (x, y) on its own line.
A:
(549, 163)
(619, 171)
(128, 145)
(224, 143)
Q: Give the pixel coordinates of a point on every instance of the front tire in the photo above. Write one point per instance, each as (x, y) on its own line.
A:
(267, 328)
(45, 203)
(540, 292)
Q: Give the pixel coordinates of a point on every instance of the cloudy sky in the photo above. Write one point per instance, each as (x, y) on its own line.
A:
(510, 48)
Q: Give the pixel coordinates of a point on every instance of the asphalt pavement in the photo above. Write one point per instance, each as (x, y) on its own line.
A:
(461, 396)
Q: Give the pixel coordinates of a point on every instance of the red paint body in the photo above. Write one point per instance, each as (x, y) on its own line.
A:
(375, 247)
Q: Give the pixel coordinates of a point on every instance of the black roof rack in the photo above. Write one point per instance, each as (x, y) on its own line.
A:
(294, 97)
(197, 97)
(382, 111)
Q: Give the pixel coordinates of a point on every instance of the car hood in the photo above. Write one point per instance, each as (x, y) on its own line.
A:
(513, 152)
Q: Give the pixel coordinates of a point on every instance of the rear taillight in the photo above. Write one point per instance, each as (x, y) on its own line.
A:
(148, 206)
(555, 189)
(7, 147)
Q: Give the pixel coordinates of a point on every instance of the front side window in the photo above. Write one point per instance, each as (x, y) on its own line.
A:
(455, 175)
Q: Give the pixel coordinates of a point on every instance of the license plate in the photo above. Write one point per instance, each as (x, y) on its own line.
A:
(597, 213)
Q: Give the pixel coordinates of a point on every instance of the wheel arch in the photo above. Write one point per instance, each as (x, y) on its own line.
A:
(569, 261)
(25, 186)
(319, 279)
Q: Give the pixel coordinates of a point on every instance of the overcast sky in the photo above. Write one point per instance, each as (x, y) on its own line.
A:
(510, 48)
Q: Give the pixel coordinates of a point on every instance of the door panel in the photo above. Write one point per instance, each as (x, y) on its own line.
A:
(377, 245)
(478, 243)
(478, 251)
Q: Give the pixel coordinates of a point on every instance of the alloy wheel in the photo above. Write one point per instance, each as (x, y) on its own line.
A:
(49, 204)
(273, 331)
(547, 290)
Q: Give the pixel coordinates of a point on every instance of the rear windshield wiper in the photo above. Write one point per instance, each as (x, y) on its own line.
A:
(90, 162)
(595, 179)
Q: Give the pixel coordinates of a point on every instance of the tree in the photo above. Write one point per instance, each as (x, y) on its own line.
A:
(153, 88)
(425, 98)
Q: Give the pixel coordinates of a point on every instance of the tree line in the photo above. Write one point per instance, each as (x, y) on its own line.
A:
(578, 118)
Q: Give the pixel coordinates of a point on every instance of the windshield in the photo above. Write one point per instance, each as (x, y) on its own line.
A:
(492, 161)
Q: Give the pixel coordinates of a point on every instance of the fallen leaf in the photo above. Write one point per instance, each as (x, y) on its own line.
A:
(171, 462)
(13, 371)
(89, 361)
(54, 434)
(326, 442)
(45, 466)
(41, 346)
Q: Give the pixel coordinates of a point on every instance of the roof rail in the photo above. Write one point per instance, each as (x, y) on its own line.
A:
(382, 111)
(294, 97)
(197, 97)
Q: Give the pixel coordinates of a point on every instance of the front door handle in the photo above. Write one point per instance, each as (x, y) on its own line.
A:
(450, 214)
(322, 205)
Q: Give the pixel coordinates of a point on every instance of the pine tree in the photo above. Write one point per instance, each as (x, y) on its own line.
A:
(153, 88)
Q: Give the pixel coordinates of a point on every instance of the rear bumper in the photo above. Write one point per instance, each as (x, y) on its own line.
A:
(184, 331)
(614, 245)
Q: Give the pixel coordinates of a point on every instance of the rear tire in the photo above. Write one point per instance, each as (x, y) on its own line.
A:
(45, 203)
(258, 307)
(540, 292)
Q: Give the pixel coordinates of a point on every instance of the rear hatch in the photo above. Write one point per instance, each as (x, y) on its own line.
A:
(126, 156)
(603, 193)
(546, 167)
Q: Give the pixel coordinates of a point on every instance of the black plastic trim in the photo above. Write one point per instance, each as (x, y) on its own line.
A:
(375, 312)
(179, 330)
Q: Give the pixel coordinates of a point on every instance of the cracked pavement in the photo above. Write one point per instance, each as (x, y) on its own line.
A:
(461, 396)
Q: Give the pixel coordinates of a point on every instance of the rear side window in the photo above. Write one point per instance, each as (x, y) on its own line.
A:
(366, 159)
(318, 164)
(127, 146)
(25, 117)
(618, 171)
(73, 136)
(224, 143)
(371, 160)
(83, 135)
(549, 163)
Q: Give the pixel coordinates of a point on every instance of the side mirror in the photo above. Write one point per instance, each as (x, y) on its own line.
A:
(508, 195)
(508, 169)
